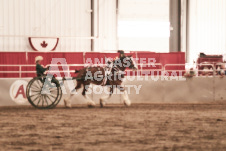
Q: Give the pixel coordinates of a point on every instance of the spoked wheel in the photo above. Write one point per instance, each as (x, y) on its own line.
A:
(44, 93)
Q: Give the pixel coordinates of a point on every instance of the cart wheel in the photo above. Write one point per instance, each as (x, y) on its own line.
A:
(44, 93)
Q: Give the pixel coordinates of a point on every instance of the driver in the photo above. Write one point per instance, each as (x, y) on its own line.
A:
(40, 70)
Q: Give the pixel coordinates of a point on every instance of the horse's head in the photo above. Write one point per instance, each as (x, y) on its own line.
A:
(132, 63)
(125, 62)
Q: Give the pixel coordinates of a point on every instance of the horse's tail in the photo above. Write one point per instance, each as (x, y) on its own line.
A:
(77, 71)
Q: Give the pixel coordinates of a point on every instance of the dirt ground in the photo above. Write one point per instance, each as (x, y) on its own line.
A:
(115, 127)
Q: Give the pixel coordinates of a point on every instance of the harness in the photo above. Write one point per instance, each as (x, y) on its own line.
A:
(108, 70)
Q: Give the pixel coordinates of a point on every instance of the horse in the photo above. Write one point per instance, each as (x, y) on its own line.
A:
(112, 76)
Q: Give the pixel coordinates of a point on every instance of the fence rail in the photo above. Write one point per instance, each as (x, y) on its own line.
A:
(142, 68)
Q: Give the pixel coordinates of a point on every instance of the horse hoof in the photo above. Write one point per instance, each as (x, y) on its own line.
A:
(66, 104)
(127, 103)
(91, 104)
(102, 103)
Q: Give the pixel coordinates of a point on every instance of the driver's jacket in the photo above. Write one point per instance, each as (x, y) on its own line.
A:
(40, 70)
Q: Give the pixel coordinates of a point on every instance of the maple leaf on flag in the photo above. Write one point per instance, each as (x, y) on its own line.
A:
(44, 44)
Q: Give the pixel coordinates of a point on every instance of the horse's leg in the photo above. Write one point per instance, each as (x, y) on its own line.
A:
(105, 98)
(125, 96)
(90, 102)
(67, 101)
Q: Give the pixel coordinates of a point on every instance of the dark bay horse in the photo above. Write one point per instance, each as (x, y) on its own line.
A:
(112, 76)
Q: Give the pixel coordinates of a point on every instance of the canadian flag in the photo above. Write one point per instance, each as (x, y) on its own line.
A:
(43, 43)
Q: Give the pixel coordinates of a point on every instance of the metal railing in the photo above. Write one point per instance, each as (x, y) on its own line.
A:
(21, 71)
(197, 66)
(141, 68)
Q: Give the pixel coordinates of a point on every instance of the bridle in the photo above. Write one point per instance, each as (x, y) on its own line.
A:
(117, 69)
